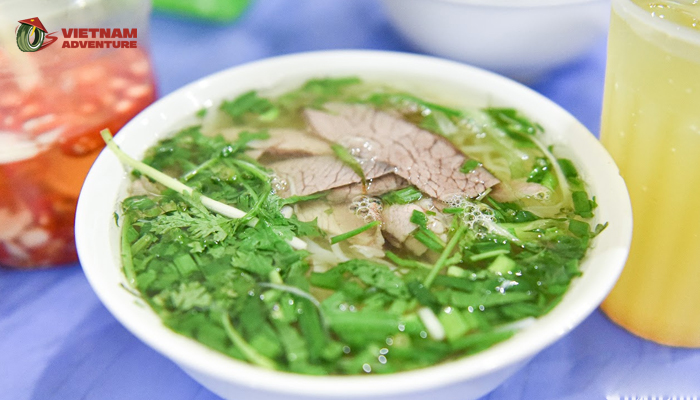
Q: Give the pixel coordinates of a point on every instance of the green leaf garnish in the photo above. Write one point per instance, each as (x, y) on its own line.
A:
(348, 159)
(406, 195)
(354, 232)
(469, 166)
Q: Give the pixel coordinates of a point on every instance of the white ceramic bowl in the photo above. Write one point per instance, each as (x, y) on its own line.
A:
(97, 236)
(522, 39)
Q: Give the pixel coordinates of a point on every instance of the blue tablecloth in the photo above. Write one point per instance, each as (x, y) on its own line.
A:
(58, 342)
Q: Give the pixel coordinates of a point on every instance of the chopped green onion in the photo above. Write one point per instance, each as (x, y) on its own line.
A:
(402, 196)
(582, 205)
(549, 181)
(488, 254)
(248, 351)
(457, 272)
(454, 324)
(423, 295)
(502, 265)
(402, 262)
(567, 168)
(579, 228)
(419, 218)
(429, 239)
(354, 232)
(443, 257)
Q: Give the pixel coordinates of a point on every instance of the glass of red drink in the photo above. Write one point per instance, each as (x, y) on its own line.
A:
(53, 103)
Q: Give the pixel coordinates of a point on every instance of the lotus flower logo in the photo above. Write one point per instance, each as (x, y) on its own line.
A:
(32, 35)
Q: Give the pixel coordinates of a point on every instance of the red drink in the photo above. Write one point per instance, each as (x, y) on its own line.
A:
(49, 137)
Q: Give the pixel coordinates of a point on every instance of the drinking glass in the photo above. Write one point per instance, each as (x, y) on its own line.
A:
(54, 100)
(651, 126)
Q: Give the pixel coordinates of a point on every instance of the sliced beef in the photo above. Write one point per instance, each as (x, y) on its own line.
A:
(336, 219)
(283, 143)
(428, 161)
(375, 187)
(289, 142)
(308, 175)
(397, 222)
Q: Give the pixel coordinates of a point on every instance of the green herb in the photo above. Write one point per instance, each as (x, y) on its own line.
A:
(440, 263)
(567, 168)
(166, 180)
(354, 232)
(424, 235)
(539, 171)
(582, 205)
(516, 125)
(599, 228)
(299, 199)
(329, 86)
(249, 352)
(406, 263)
(316, 92)
(403, 100)
(348, 159)
(469, 166)
(429, 239)
(250, 103)
(423, 295)
(579, 228)
(126, 253)
(419, 218)
(406, 195)
(200, 224)
(436, 121)
(488, 254)
(244, 285)
(502, 264)
(376, 275)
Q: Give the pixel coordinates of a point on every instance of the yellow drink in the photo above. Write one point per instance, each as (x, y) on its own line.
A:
(651, 126)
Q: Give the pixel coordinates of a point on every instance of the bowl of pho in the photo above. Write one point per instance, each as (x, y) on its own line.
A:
(352, 224)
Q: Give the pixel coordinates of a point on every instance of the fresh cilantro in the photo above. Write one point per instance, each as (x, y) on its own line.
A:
(250, 103)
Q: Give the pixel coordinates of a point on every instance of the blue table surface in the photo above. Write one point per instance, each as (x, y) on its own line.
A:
(57, 341)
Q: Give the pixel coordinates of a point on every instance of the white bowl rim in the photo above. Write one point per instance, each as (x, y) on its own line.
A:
(520, 3)
(97, 255)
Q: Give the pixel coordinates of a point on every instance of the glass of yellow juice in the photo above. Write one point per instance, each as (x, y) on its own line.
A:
(651, 126)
